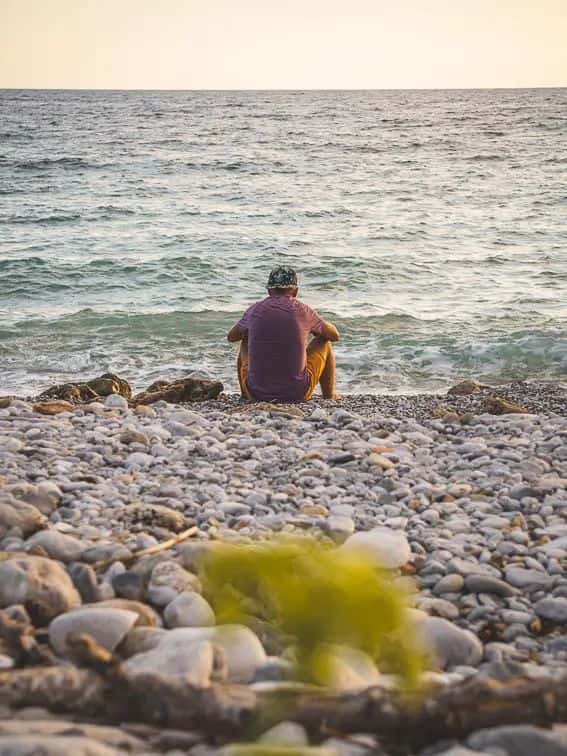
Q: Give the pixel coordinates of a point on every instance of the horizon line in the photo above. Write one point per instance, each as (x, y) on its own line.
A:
(277, 89)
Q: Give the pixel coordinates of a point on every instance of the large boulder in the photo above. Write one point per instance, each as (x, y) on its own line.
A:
(183, 390)
(76, 393)
(41, 585)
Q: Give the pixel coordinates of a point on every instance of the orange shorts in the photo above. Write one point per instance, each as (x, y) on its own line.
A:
(316, 361)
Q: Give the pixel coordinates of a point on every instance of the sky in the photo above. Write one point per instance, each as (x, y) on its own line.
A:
(282, 44)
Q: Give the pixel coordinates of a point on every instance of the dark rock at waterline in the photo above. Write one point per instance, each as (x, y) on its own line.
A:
(183, 390)
(97, 388)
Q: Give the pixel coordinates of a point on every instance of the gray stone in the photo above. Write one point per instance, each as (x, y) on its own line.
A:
(189, 609)
(167, 581)
(450, 645)
(522, 578)
(449, 584)
(129, 585)
(191, 659)
(487, 584)
(553, 610)
(107, 626)
(84, 580)
(387, 548)
(115, 401)
(519, 740)
(56, 545)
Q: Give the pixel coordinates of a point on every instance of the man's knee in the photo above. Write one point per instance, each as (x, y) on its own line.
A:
(319, 343)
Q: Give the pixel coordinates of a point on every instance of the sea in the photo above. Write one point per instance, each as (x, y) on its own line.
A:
(429, 226)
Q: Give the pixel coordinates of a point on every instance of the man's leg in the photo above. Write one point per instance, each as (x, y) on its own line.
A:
(321, 365)
(242, 368)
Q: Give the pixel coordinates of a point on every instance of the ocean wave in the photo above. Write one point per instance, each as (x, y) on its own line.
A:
(45, 164)
(483, 157)
(43, 220)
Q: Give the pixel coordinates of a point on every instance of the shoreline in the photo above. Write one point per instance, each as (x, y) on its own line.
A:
(473, 505)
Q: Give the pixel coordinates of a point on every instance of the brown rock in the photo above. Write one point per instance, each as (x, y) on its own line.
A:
(464, 388)
(183, 390)
(495, 405)
(5, 401)
(53, 408)
(153, 515)
(41, 585)
(18, 514)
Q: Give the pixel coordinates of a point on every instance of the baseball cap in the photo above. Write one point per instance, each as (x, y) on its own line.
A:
(282, 277)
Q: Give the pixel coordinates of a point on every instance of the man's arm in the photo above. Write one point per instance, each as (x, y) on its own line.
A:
(235, 334)
(329, 332)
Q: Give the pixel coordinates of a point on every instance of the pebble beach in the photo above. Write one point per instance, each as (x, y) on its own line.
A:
(466, 509)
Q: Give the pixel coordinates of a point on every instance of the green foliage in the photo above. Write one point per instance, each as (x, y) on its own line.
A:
(316, 596)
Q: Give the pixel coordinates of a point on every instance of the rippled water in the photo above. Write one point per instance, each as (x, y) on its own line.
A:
(429, 226)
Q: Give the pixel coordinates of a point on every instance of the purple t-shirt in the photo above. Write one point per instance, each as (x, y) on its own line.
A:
(278, 328)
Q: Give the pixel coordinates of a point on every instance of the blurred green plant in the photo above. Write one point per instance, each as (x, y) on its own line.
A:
(317, 597)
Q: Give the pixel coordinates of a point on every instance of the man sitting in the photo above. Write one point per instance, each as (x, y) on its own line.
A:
(275, 362)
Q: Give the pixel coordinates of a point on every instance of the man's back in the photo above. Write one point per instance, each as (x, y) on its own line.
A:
(277, 329)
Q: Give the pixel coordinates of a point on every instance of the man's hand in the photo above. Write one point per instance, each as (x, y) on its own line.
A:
(235, 334)
(329, 332)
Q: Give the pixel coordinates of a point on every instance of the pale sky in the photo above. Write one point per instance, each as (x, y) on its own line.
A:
(282, 44)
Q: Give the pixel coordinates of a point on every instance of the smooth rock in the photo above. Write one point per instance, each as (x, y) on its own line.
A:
(57, 545)
(449, 584)
(168, 579)
(288, 734)
(351, 669)
(522, 578)
(487, 584)
(115, 401)
(189, 609)
(387, 548)
(191, 659)
(129, 585)
(108, 627)
(552, 609)
(450, 645)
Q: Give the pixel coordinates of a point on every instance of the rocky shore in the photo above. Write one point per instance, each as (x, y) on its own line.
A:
(462, 497)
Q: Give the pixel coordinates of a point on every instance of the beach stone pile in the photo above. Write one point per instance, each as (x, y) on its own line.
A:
(467, 511)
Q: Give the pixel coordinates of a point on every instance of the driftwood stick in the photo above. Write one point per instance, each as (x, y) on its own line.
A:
(151, 550)
(403, 726)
